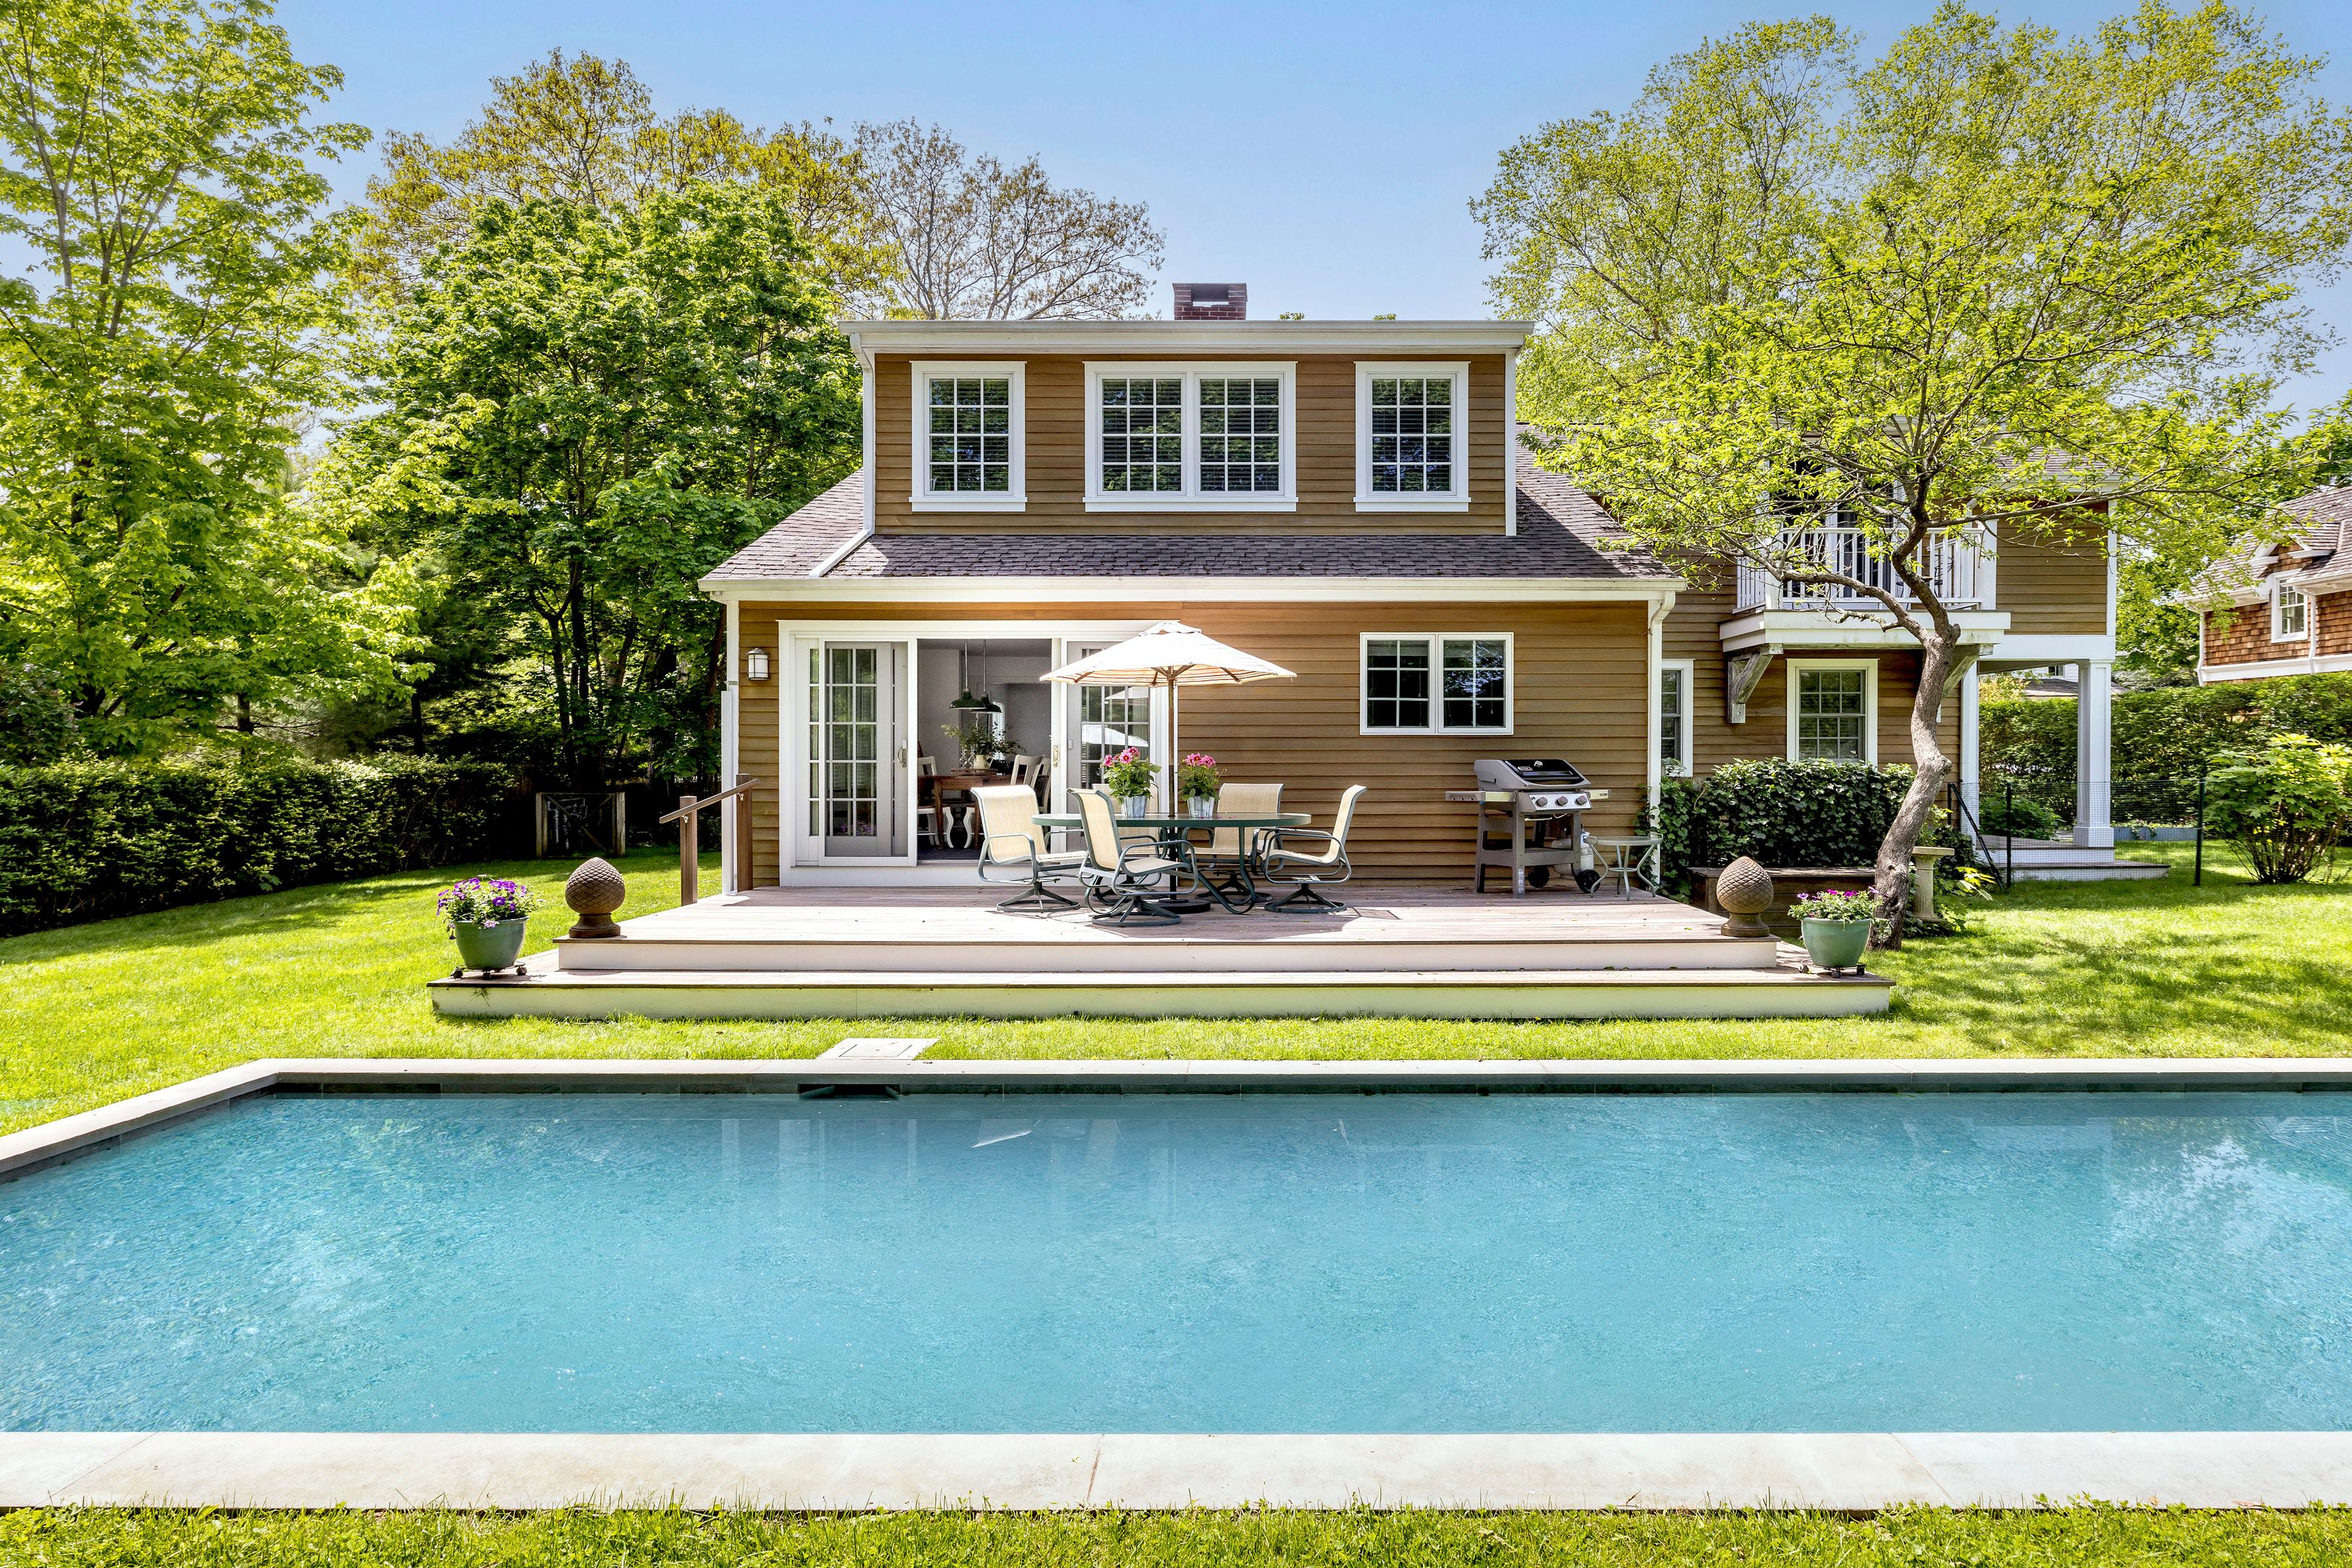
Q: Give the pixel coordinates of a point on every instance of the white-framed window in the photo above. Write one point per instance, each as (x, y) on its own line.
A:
(1833, 710)
(1413, 448)
(1219, 437)
(968, 442)
(1453, 682)
(1674, 717)
(2290, 613)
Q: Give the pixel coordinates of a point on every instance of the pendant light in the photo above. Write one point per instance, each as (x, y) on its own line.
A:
(967, 702)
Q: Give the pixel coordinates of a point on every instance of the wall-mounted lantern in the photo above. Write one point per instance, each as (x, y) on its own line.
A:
(755, 663)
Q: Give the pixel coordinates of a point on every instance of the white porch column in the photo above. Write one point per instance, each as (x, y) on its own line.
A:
(2094, 765)
(1971, 764)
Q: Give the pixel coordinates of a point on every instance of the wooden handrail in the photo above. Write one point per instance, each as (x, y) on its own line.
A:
(689, 836)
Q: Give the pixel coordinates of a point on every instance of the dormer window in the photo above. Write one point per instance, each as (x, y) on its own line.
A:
(1190, 437)
(1412, 426)
(970, 446)
(2290, 613)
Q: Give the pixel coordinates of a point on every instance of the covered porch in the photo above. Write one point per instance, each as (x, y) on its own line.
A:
(1394, 951)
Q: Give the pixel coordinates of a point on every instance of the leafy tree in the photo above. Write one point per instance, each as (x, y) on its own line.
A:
(972, 238)
(1997, 279)
(2286, 806)
(158, 167)
(586, 408)
(581, 129)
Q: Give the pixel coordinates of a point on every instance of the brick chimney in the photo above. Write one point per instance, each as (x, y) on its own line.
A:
(1212, 302)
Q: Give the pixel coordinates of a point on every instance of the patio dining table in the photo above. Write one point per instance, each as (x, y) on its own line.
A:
(1239, 893)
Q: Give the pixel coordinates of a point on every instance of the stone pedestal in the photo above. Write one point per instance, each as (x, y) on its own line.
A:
(1923, 879)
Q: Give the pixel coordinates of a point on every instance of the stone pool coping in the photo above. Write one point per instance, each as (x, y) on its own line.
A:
(1848, 1471)
(93, 1129)
(1856, 1472)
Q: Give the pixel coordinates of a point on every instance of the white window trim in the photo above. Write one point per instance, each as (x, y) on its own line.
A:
(2278, 614)
(1455, 500)
(1437, 641)
(1191, 498)
(922, 497)
(1688, 669)
(1869, 668)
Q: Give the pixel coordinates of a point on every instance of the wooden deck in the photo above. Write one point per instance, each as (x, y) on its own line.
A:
(1395, 952)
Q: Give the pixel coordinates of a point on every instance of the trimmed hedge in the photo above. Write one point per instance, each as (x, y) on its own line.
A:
(86, 840)
(2168, 733)
(1784, 813)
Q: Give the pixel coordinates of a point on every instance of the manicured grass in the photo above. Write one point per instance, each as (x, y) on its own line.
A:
(98, 1013)
(1917, 1538)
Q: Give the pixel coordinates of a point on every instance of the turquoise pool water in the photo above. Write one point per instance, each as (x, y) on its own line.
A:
(1438, 1262)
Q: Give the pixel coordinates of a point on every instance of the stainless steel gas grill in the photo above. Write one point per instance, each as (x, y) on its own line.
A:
(1530, 819)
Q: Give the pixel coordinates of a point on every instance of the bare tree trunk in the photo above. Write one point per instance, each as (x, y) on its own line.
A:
(1891, 885)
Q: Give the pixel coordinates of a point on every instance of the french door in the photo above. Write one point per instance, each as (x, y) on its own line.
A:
(1097, 723)
(856, 750)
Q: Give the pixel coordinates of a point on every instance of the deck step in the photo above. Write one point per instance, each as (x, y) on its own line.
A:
(1065, 950)
(1783, 991)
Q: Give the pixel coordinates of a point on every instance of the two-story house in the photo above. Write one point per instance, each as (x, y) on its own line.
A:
(1349, 499)
(2281, 609)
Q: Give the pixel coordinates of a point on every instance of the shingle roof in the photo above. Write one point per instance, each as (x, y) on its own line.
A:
(2326, 516)
(1561, 533)
(2320, 525)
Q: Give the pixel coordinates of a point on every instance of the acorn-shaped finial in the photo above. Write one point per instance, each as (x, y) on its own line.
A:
(594, 891)
(1745, 890)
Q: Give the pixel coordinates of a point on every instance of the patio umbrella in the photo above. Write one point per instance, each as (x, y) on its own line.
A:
(1174, 655)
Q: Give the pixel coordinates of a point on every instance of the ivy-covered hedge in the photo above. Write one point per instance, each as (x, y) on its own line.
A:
(84, 840)
(1784, 813)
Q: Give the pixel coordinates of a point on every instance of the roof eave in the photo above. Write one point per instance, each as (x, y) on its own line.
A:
(913, 336)
(1081, 590)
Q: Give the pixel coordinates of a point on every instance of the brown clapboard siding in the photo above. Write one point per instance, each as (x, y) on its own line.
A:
(758, 706)
(1691, 632)
(1580, 688)
(2053, 580)
(1054, 441)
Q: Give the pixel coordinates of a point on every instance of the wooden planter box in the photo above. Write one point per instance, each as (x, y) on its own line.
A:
(1789, 884)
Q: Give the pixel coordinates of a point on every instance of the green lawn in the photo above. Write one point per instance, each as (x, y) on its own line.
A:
(1911, 1538)
(97, 1012)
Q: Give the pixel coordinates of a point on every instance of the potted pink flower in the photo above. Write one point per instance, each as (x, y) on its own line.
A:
(1836, 927)
(1128, 775)
(1198, 780)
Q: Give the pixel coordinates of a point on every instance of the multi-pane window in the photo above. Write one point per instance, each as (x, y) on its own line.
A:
(970, 435)
(1396, 683)
(1437, 685)
(1832, 714)
(1412, 434)
(1674, 720)
(1142, 423)
(1189, 437)
(1476, 684)
(2290, 612)
(1241, 435)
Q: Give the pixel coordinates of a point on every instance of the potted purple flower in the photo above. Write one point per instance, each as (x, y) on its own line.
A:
(1836, 927)
(488, 917)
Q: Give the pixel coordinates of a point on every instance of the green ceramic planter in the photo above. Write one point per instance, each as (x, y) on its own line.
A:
(481, 946)
(1837, 944)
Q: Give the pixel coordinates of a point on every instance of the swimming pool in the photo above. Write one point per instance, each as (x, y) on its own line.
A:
(1079, 1262)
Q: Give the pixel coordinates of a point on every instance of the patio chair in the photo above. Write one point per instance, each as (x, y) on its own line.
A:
(1124, 883)
(927, 811)
(1310, 870)
(1234, 852)
(1014, 848)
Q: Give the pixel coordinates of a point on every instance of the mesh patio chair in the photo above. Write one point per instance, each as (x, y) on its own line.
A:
(1012, 847)
(1310, 870)
(1232, 854)
(1124, 883)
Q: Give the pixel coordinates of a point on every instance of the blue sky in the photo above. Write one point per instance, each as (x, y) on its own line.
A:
(1324, 154)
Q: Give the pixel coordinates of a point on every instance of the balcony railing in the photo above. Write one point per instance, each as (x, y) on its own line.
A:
(1956, 567)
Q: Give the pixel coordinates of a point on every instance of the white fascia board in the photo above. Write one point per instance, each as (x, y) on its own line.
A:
(2259, 669)
(1115, 590)
(1820, 629)
(1184, 338)
(2055, 648)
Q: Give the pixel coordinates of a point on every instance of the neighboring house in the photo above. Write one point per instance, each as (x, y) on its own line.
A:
(2281, 609)
(1348, 498)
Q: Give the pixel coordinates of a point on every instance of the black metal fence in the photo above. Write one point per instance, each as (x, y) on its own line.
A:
(2037, 805)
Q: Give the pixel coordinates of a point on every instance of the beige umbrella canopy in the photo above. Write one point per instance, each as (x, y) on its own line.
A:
(1169, 654)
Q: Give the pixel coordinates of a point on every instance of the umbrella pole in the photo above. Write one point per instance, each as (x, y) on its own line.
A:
(1174, 750)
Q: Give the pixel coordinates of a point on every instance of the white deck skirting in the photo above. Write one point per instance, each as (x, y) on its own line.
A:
(830, 1471)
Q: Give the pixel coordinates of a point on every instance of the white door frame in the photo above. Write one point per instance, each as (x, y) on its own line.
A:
(796, 640)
